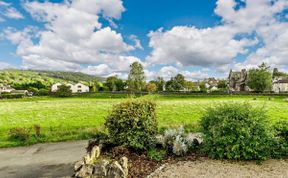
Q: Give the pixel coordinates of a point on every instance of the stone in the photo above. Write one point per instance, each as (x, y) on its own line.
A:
(93, 156)
(85, 171)
(93, 166)
(78, 165)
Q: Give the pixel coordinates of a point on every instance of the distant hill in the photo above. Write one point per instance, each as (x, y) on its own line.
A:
(20, 77)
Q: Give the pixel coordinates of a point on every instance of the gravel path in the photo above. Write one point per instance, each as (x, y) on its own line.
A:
(41, 160)
(206, 168)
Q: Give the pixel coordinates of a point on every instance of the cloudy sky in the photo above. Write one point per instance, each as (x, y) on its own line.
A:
(198, 38)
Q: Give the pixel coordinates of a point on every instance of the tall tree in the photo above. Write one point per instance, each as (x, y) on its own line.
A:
(136, 78)
(160, 83)
(260, 79)
(222, 84)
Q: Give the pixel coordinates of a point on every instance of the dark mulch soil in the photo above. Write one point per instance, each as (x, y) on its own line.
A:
(140, 165)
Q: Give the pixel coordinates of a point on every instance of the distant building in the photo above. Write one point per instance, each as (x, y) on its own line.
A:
(6, 88)
(237, 81)
(280, 85)
(211, 84)
(23, 92)
(75, 88)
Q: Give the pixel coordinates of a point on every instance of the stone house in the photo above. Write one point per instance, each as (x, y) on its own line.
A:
(75, 88)
(280, 85)
(237, 81)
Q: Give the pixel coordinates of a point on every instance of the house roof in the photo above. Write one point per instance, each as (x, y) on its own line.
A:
(282, 81)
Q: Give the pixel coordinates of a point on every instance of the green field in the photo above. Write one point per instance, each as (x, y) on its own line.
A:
(80, 118)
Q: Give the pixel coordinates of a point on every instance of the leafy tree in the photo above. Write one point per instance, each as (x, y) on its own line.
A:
(190, 86)
(63, 91)
(151, 87)
(175, 83)
(202, 87)
(260, 79)
(136, 78)
(114, 83)
(222, 84)
(277, 74)
(160, 83)
(111, 83)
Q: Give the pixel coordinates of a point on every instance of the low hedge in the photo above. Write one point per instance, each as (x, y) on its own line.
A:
(11, 96)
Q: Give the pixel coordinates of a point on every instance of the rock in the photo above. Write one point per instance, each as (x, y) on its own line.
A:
(93, 156)
(78, 165)
(95, 167)
(85, 171)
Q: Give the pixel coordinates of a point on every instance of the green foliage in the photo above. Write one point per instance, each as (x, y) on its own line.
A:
(133, 124)
(277, 74)
(280, 146)
(190, 86)
(176, 83)
(136, 78)
(43, 92)
(35, 91)
(151, 87)
(160, 83)
(11, 96)
(236, 131)
(21, 134)
(113, 83)
(222, 84)
(63, 91)
(260, 79)
(281, 130)
(156, 154)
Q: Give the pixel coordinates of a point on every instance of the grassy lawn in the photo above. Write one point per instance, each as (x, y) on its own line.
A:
(80, 118)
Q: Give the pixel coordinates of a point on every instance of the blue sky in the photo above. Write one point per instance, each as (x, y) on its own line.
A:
(103, 37)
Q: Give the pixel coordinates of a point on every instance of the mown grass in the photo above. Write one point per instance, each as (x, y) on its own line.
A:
(81, 117)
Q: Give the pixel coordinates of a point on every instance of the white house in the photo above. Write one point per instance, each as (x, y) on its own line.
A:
(77, 88)
(280, 85)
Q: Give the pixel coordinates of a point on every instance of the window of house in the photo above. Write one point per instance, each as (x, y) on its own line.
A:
(79, 86)
(79, 91)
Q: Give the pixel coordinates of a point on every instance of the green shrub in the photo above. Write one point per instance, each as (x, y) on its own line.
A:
(281, 130)
(20, 134)
(11, 96)
(35, 91)
(43, 92)
(156, 154)
(236, 131)
(280, 148)
(133, 124)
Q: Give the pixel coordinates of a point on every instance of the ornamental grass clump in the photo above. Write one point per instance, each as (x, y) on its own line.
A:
(133, 124)
(236, 131)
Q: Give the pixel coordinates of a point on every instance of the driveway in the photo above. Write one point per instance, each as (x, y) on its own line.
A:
(41, 160)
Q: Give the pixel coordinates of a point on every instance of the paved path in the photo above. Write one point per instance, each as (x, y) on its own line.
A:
(207, 168)
(41, 160)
